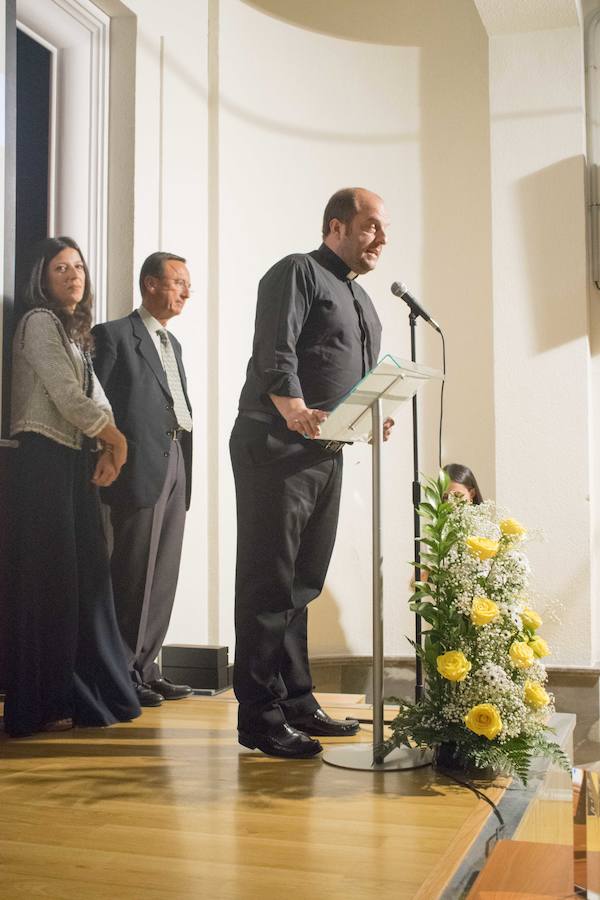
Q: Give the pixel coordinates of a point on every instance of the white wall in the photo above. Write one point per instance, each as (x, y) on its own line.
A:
(476, 144)
(592, 10)
(171, 172)
(298, 121)
(302, 114)
(541, 343)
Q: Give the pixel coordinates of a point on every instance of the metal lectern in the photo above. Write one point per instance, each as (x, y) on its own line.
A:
(360, 417)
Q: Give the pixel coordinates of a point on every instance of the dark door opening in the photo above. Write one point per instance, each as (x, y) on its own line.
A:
(34, 69)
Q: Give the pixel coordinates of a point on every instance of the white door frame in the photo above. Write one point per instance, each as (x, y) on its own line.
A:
(77, 33)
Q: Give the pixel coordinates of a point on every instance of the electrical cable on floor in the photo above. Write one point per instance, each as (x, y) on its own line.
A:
(481, 796)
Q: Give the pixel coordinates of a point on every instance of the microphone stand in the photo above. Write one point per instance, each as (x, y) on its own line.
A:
(416, 497)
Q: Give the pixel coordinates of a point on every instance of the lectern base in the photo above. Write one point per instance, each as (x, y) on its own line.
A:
(360, 756)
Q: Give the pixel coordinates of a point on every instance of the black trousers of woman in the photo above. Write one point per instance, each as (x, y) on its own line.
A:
(288, 495)
(66, 656)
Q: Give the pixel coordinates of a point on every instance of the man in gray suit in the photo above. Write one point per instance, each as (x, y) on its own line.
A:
(141, 370)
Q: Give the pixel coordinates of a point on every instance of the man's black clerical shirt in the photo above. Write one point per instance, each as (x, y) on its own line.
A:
(316, 333)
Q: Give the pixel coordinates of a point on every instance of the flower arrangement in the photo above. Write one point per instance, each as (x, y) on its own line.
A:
(484, 701)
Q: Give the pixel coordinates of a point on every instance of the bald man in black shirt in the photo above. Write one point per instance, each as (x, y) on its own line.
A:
(316, 334)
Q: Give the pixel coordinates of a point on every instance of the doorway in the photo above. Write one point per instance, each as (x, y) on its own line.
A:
(64, 50)
(34, 84)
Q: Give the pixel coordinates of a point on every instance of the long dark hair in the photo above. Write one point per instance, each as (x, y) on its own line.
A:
(78, 323)
(463, 475)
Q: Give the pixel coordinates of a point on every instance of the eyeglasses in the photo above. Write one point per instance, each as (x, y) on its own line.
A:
(180, 283)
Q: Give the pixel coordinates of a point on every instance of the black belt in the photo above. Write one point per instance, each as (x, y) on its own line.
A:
(268, 418)
(331, 446)
(175, 433)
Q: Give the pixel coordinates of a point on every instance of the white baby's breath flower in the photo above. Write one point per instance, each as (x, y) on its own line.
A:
(503, 579)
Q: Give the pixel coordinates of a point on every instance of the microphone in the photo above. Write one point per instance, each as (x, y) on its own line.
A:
(399, 289)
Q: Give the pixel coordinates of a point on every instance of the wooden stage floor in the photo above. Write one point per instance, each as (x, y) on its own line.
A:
(170, 807)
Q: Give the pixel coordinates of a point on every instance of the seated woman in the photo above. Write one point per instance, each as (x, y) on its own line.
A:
(67, 662)
(463, 482)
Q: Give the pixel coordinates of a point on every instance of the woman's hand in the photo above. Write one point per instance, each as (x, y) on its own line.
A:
(106, 471)
(118, 449)
(115, 441)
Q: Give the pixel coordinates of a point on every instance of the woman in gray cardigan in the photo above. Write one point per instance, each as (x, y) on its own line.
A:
(67, 665)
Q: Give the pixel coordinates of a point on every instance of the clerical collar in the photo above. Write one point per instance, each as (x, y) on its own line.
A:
(334, 263)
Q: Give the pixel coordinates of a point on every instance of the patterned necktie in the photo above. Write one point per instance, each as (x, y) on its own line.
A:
(182, 413)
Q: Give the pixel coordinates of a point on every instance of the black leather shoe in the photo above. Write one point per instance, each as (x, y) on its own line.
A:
(146, 696)
(283, 740)
(168, 690)
(322, 725)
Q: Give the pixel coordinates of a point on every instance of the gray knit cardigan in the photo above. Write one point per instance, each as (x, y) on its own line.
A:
(49, 382)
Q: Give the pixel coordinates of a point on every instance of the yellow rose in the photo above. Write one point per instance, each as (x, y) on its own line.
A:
(539, 647)
(453, 665)
(484, 719)
(483, 611)
(521, 654)
(482, 547)
(512, 528)
(530, 618)
(535, 695)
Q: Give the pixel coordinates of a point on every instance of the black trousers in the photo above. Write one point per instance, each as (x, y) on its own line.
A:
(67, 659)
(288, 496)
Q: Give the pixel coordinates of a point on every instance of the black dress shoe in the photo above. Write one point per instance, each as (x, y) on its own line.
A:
(146, 696)
(319, 723)
(168, 690)
(283, 740)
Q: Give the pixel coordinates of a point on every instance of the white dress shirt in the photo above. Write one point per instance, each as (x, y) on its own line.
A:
(153, 326)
